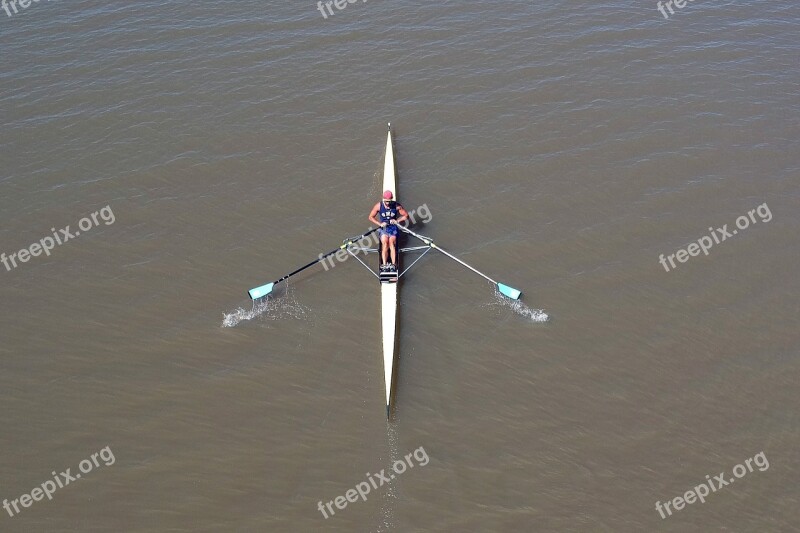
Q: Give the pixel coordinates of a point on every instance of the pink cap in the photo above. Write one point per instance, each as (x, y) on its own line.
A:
(387, 195)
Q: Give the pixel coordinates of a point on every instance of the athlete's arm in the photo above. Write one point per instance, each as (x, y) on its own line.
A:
(403, 214)
(373, 215)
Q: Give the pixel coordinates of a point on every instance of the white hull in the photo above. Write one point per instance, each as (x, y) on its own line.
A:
(389, 290)
(389, 324)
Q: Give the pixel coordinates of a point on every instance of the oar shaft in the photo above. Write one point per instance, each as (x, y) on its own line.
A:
(445, 252)
(325, 256)
(312, 263)
(266, 290)
(451, 256)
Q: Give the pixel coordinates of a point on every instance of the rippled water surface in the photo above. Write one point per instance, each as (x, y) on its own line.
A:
(561, 147)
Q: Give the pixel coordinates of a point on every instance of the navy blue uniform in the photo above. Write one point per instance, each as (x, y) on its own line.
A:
(385, 215)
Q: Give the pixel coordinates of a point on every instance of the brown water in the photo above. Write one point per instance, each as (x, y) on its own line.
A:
(560, 146)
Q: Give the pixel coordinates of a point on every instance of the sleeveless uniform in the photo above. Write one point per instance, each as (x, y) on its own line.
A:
(385, 215)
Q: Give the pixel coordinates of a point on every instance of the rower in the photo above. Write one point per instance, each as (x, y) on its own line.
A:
(385, 214)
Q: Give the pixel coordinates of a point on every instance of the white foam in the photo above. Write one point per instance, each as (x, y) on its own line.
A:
(534, 315)
(270, 308)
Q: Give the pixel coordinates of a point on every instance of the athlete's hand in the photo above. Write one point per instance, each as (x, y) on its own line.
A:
(393, 221)
(383, 224)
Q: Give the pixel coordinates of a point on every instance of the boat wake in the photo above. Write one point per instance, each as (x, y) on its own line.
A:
(533, 315)
(285, 306)
(387, 519)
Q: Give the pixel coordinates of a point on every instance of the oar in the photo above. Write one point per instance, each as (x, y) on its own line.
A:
(264, 290)
(511, 292)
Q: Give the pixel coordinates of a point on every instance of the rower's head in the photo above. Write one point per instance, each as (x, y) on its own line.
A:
(388, 197)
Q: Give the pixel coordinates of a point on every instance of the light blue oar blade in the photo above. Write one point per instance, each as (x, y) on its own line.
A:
(260, 292)
(511, 292)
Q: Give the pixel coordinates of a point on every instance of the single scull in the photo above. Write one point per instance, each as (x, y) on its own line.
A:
(389, 280)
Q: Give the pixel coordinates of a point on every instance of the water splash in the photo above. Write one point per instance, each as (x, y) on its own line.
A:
(270, 308)
(533, 315)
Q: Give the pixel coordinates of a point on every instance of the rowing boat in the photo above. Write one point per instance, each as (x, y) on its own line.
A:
(389, 280)
(389, 286)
